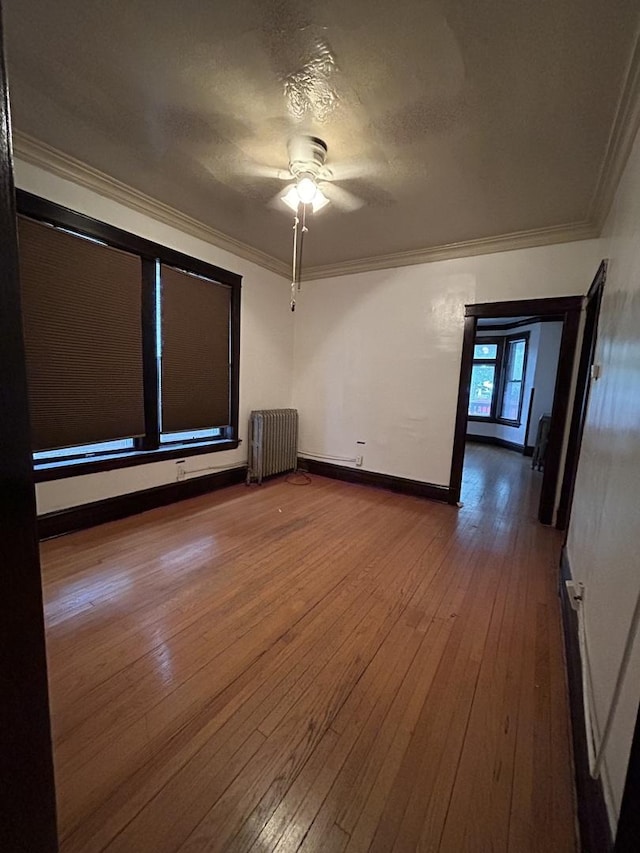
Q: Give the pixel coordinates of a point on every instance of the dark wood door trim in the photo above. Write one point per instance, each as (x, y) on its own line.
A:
(27, 793)
(530, 307)
(595, 832)
(518, 324)
(581, 399)
(567, 308)
(460, 433)
(559, 411)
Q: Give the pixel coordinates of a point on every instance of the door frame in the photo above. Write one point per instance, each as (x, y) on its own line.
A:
(568, 308)
(581, 399)
(27, 788)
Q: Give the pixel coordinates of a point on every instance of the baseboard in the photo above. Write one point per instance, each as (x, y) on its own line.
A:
(595, 832)
(88, 515)
(528, 451)
(496, 442)
(417, 488)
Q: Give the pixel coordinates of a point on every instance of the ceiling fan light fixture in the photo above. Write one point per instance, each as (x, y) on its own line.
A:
(319, 201)
(306, 189)
(291, 198)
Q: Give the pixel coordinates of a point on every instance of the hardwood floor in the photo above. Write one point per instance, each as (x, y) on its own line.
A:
(327, 667)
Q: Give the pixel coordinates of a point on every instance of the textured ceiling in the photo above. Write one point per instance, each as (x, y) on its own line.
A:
(465, 120)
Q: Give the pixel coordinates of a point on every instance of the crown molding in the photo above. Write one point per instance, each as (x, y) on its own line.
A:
(623, 133)
(37, 153)
(484, 246)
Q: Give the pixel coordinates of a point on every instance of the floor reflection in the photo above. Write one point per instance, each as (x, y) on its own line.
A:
(499, 481)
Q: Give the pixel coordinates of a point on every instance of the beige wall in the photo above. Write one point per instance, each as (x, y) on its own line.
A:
(604, 532)
(266, 339)
(377, 355)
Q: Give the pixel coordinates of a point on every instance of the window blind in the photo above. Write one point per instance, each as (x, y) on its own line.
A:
(195, 351)
(81, 305)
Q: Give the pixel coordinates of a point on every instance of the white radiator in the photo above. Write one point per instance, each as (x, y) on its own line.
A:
(273, 443)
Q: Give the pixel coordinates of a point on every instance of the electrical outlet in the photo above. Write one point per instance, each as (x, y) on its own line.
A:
(359, 461)
(180, 473)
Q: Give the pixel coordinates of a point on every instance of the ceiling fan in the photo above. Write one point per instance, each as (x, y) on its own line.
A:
(312, 181)
(313, 185)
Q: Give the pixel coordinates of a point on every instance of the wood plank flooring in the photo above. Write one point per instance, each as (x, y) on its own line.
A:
(327, 667)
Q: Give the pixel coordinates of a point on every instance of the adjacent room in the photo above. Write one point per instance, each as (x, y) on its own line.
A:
(511, 395)
(320, 430)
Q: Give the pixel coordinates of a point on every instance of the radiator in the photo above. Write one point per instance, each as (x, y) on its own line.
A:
(273, 443)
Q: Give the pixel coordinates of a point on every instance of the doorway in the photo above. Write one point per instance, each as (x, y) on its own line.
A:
(581, 399)
(513, 375)
(508, 399)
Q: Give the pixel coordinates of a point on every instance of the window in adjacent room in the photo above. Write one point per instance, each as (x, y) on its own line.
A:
(484, 378)
(515, 360)
(497, 379)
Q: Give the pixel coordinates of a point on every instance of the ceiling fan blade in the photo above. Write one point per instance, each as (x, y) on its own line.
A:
(341, 198)
(349, 170)
(259, 170)
(277, 203)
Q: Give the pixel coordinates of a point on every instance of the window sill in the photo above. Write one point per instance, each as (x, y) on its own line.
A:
(59, 470)
(500, 421)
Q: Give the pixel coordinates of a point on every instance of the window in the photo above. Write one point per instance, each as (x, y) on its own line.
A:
(497, 379)
(195, 356)
(515, 359)
(82, 316)
(484, 374)
(84, 450)
(132, 348)
(191, 435)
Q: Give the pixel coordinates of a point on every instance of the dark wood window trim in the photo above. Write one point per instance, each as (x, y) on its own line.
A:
(500, 362)
(147, 449)
(60, 469)
(43, 210)
(151, 378)
(523, 336)
(497, 363)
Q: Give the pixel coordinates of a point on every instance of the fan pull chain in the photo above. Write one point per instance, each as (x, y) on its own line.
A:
(296, 222)
(302, 233)
(299, 230)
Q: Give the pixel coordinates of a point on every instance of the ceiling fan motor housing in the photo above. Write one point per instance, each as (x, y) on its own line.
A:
(307, 155)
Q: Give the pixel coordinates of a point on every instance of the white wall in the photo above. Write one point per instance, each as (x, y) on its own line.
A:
(266, 340)
(544, 380)
(377, 355)
(603, 536)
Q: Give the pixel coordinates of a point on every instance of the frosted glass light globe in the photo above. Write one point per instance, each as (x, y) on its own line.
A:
(306, 190)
